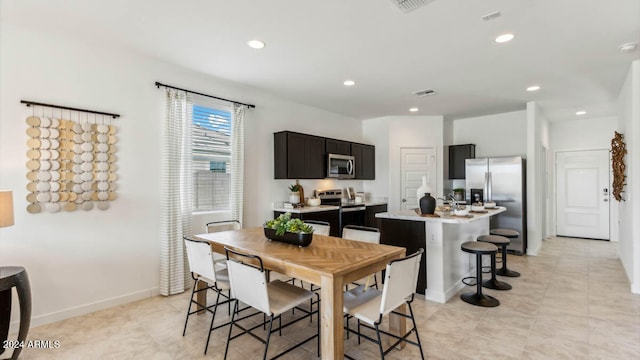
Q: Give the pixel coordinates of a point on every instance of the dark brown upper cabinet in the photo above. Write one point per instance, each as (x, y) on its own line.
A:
(457, 156)
(365, 159)
(333, 146)
(298, 156)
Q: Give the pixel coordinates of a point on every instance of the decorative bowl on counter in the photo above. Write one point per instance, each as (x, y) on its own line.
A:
(477, 207)
(313, 201)
(490, 204)
(461, 211)
(299, 239)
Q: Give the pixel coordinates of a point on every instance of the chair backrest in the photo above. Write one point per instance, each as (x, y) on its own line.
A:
(200, 258)
(248, 282)
(361, 233)
(319, 227)
(400, 282)
(216, 226)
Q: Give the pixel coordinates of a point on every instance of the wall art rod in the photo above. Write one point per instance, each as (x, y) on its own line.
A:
(198, 93)
(29, 103)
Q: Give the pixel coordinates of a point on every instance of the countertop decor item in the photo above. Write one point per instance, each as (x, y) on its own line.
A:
(427, 204)
(423, 189)
(288, 230)
(294, 195)
(618, 151)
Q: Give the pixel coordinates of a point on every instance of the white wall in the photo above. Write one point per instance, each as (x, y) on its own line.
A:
(391, 133)
(629, 210)
(537, 139)
(494, 135)
(87, 260)
(578, 135)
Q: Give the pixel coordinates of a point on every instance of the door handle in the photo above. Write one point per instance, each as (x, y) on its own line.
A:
(404, 200)
(606, 200)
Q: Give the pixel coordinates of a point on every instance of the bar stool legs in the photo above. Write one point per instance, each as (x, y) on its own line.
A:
(494, 283)
(509, 234)
(478, 298)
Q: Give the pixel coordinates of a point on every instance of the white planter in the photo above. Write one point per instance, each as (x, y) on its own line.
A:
(294, 198)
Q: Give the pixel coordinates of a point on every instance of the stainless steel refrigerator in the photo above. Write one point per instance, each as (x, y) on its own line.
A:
(503, 180)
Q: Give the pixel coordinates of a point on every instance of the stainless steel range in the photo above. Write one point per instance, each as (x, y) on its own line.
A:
(350, 212)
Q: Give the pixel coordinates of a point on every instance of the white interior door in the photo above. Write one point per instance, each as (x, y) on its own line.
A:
(416, 163)
(583, 194)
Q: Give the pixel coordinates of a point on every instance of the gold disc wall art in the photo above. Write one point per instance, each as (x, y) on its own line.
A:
(71, 165)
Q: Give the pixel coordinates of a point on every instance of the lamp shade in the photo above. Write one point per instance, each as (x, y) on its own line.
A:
(6, 208)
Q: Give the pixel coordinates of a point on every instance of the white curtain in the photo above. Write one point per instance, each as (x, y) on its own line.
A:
(237, 162)
(177, 192)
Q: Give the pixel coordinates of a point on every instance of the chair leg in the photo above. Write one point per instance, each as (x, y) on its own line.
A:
(348, 318)
(379, 341)
(229, 303)
(233, 321)
(266, 346)
(213, 318)
(375, 280)
(358, 331)
(415, 328)
(318, 324)
(189, 308)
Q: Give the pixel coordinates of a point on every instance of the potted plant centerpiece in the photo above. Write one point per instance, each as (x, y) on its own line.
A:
(288, 230)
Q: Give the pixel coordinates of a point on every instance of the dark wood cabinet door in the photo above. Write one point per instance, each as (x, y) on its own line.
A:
(333, 146)
(296, 159)
(314, 158)
(409, 235)
(457, 156)
(370, 214)
(365, 158)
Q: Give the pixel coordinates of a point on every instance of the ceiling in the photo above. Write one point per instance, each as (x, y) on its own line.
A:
(568, 47)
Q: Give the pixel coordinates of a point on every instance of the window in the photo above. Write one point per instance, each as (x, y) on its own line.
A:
(211, 157)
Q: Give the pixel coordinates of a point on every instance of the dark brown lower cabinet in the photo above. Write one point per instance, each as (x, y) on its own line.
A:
(370, 214)
(409, 235)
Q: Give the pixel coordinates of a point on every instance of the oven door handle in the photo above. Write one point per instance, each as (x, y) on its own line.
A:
(353, 209)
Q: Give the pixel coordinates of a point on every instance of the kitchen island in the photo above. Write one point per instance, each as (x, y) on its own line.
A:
(444, 264)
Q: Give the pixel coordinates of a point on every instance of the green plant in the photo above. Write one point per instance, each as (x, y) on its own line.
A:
(284, 223)
(294, 188)
(458, 190)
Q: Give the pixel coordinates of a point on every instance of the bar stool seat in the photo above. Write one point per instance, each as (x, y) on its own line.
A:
(509, 234)
(479, 249)
(494, 283)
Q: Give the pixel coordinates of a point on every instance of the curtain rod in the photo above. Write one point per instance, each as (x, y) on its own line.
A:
(158, 84)
(29, 103)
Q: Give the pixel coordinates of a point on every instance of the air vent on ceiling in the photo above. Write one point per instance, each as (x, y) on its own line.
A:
(426, 92)
(491, 16)
(410, 5)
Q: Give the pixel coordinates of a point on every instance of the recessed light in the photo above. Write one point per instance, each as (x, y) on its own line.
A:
(255, 44)
(533, 88)
(414, 109)
(628, 47)
(504, 38)
(349, 83)
(581, 112)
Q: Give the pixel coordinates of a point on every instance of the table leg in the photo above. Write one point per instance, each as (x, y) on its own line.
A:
(201, 296)
(398, 325)
(332, 331)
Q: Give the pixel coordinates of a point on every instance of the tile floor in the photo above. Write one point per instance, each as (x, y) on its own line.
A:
(571, 302)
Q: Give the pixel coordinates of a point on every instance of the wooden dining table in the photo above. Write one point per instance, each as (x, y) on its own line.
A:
(329, 262)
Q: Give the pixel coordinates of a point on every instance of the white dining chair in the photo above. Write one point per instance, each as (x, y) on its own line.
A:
(217, 226)
(369, 306)
(365, 234)
(319, 227)
(249, 285)
(202, 268)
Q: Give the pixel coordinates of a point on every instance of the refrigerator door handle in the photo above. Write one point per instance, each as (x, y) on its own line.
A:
(489, 187)
(486, 186)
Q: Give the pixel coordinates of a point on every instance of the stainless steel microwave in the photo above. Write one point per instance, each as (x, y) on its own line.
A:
(341, 166)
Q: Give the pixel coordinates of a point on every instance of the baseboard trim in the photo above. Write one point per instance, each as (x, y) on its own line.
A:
(86, 308)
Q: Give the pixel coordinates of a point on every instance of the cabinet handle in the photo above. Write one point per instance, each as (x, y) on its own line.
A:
(404, 200)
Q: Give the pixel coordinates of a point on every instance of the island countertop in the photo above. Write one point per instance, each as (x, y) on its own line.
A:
(449, 219)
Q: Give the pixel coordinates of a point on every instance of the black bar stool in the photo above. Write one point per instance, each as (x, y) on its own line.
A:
(494, 283)
(509, 234)
(479, 249)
